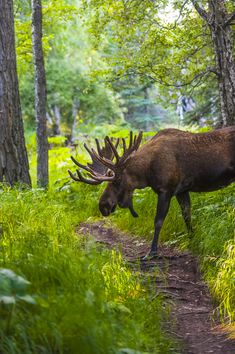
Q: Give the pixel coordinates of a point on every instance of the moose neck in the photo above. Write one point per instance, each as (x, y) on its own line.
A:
(137, 169)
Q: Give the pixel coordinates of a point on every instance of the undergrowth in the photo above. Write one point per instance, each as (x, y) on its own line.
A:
(58, 293)
(73, 298)
(213, 239)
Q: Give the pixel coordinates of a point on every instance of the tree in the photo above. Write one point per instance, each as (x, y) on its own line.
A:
(73, 94)
(40, 95)
(139, 102)
(177, 52)
(219, 21)
(14, 165)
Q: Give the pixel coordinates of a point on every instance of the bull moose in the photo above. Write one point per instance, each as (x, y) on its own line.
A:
(172, 163)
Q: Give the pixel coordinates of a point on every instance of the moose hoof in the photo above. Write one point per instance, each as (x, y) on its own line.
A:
(151, 255)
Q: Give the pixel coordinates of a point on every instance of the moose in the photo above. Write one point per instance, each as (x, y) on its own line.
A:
(172, 163)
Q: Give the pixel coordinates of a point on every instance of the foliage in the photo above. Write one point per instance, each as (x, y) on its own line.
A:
(152, 40)
(106, 60)
(94, 49)
(161, 42)
(86, 299)
(55, 15)
(215, 244)
(140, 104)
(206, 108)
(213, 236)
(224, 287)
(69, 58)
(13, 289)
(77, 86)
(213, 241)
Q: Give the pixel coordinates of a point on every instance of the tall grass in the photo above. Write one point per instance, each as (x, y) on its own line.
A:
(213, 218)
(86, 300)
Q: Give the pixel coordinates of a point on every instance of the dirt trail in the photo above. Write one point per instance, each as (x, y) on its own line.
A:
(181, 285)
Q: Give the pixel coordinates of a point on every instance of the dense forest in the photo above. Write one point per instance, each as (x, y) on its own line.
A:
(77, 77)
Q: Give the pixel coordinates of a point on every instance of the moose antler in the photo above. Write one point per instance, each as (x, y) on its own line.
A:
(96, 170)
(102, 167)
(120, 160)
(80, 178)
(105, 152)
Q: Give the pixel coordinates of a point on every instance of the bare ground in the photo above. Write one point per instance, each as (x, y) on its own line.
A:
(180, 282)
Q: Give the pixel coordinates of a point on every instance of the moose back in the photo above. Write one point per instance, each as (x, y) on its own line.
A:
(172, 163)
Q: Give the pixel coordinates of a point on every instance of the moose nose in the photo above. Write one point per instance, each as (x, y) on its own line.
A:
(105, 211)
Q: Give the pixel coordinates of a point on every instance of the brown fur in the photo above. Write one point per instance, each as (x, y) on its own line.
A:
(173, 163)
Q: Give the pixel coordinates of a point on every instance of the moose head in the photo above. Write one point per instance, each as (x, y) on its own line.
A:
(103, 169)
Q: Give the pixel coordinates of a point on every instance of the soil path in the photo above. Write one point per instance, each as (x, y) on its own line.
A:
(180, 282)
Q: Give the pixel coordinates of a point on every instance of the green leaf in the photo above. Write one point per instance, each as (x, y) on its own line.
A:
(7, 300)
(27, 298)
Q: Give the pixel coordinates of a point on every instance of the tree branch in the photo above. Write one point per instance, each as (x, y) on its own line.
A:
(168, 26)
(196, 78)
(230, 19)
(202, 12)
(141, 72)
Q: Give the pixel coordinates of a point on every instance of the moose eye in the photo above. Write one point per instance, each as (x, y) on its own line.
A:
(110, 173)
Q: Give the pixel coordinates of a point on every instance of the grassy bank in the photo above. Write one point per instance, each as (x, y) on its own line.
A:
(213, 217)
(79, 300)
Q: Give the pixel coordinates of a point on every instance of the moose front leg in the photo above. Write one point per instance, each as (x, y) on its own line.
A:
(185, 205)
(162, 210)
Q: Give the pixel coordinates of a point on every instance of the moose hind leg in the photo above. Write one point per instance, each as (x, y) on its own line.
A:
(185, 205)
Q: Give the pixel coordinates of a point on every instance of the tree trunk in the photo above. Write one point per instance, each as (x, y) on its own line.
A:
(219, 22)
(223, 43)
(75, 109)
(40, 95)
(56, 125)
(146, 110)
(14, 165)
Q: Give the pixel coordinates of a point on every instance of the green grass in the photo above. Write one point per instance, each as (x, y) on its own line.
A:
(86, 300)
(213, 217)
(213, 241)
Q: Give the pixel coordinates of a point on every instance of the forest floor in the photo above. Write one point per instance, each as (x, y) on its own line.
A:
(179, 281)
